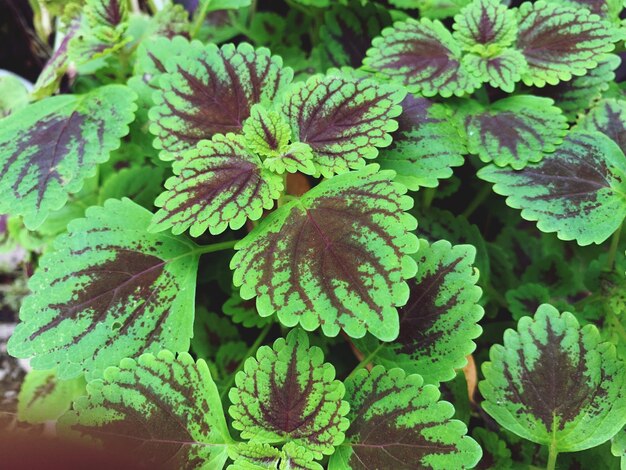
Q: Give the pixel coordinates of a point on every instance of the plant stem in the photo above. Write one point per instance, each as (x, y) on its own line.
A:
(553, 453)
(477, 201)
(215, 247)
(249, 353)
(429, 195)
(199, 18)
(366, 360)
(610, 262)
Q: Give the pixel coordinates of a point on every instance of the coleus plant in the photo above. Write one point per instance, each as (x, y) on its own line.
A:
(263, 237)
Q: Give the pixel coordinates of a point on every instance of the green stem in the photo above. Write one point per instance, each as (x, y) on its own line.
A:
(215, 247)
(429, 195)
(249, 353)
(199, 18)
(553, 453)
(610, 262)
(366, 360)
(477, 201)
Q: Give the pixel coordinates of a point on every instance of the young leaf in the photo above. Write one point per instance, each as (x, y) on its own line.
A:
(43, 397)
(109, 290)
(502, 70)
(343, 119)
(212, 91)
(397, 422)
(218, 184)
(337, 257)
(515, 131)
(266, 132)
(579, 191)
(560, 41)
(484, 26)
(423, 56)
(244, 312)
(288, 394)
(608, 117)
(296, 157)
(426, 145)
(555, 383)
(48, 148)
(158, 408)
(439, 322)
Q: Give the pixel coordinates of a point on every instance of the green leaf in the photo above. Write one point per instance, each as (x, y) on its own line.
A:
(216, 185)
(142, 184)
(336, 257)
(159, 409)
(618, 446)
(515, 131)
(423, 56)
(296, 157)
(440, 320)
(555, 383)
(502, 70)
(609, 117)
(526, 298)
(210, 331)
(578, 94)
(13, 94)
(485, 26)
(244, 312)
(266, 132)
(43, 397)
(560, 41)
(606, 9)
(288, 394)
(496, 454)
(397, 422)
(109, 290)
(48, 148)
(254, 456)
(579, 191)
(426, 145)
(343, 119)
(211, 91)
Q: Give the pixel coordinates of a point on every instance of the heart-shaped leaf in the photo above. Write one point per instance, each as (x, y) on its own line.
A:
(439, 322)
(109, 290)
(423, 56)
(397, 422)
(336, 257)
(560, 41)
(211, 91)
(579, 191)
(555, 383)
(516, 130)
(289, 394)
(48, 148)
(426, 145)
(218, 184)
(343, 119)
(161, 409)
(484, 25)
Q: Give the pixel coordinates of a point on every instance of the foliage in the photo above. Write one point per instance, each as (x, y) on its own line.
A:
(269, 235)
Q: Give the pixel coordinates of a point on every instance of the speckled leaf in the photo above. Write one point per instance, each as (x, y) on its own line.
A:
(164, 411)
(397, 422)
(216, 185)
(579, 191)
(211, 91)
(48, 148)
(608, 117)
(515, 131)
(343, 119)
(484, 26)
(502, 70)
(254, 456)
(423, 56)
(560, 41)
(555, 383)
(337, 257)
(426, 145)
(244, 311)
(606, 9)
(109, 290)
(295, 157)
(267, 133)
(287, 393)
(43, 397)
(347, 32)
(440, 320)
(576, 95)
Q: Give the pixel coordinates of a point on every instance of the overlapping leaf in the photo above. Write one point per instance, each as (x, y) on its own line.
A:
(423, 56)
(397, 422)
(337, 257)
(560, 41)
(244, 312)
(579, 191)
(608, 117)
(109, 290)
(555, 383)
(484, 25)
(289, 394)
(606, 9)
(163, 410)
(48, 148)
(515, 131)
(426, 145)
(343, 119)
(439, 322)
(13, 94)
(210, 332)
(502, 70)
(211, 91)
